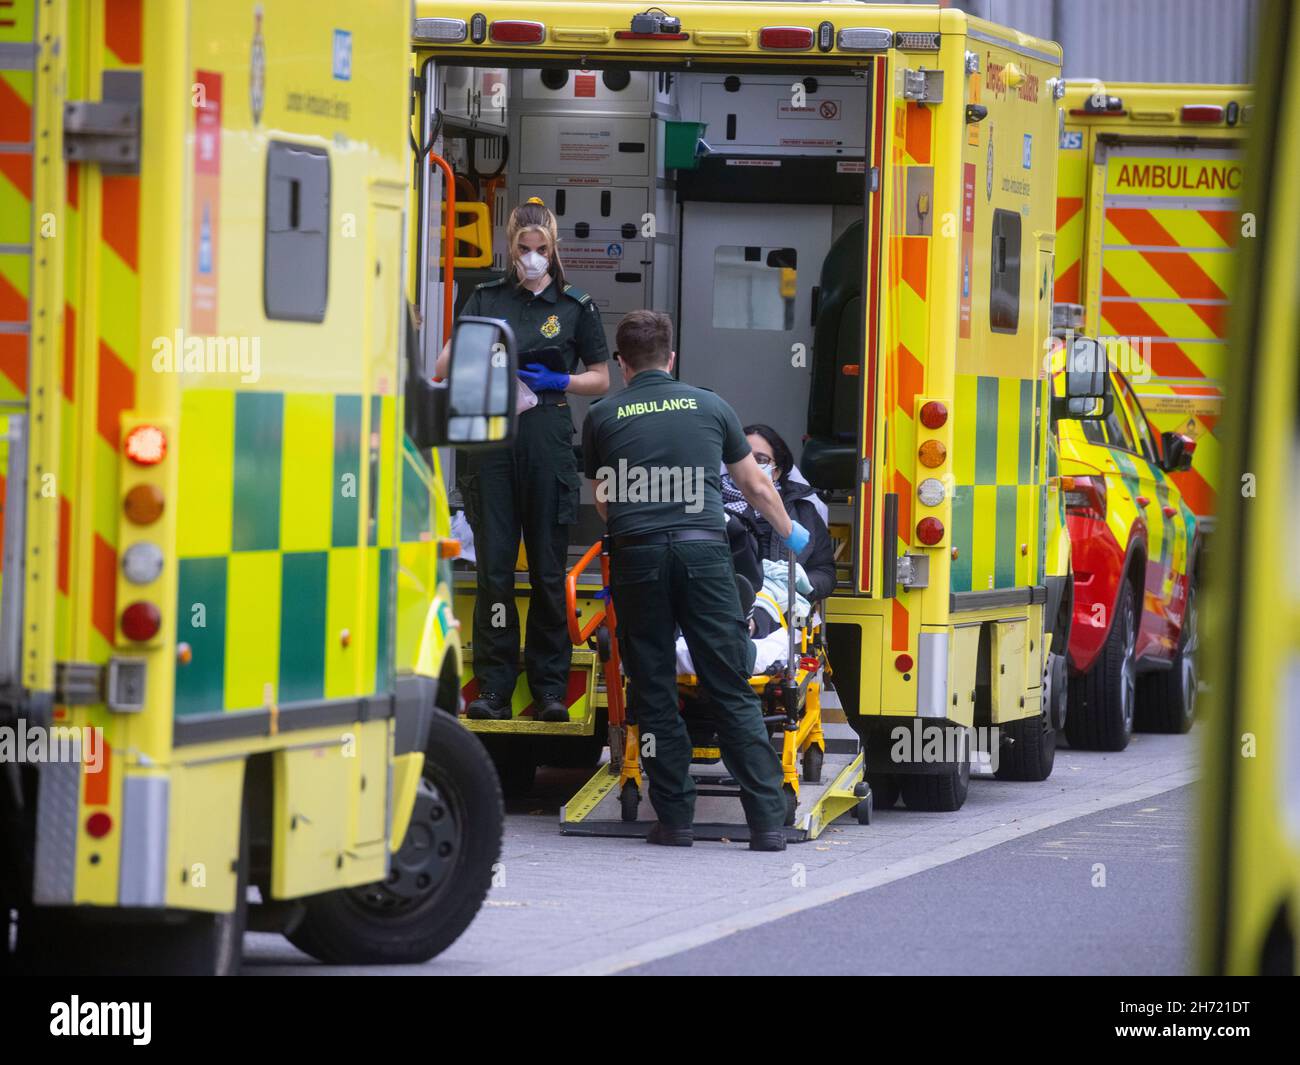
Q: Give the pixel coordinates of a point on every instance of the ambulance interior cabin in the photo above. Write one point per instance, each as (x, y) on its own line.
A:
(732, 199)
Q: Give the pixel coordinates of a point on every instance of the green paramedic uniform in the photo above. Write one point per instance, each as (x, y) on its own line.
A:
(532, 486)
(654, 451)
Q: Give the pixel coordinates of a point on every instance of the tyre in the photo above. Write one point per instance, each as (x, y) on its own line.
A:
(940, 792)
(791, 804)
(884, 790)
(629, 801)
(439, 876)
(1102, 701)
(1166, 699)
(1031, 752)
(813, 759)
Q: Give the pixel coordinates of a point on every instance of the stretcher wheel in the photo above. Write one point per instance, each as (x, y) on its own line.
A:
(812, 765)
(629, 799)
(791, 804)
(866, 807)
(602, 643)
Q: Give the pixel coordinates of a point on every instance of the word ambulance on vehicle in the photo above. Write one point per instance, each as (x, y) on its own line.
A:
(848, 210)
(226, 580)
(1148, 219)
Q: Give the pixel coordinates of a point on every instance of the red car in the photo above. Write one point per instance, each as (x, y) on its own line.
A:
(1135, 548)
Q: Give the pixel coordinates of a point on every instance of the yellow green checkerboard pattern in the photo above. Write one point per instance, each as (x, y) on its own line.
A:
(996, 498)
(289, 506)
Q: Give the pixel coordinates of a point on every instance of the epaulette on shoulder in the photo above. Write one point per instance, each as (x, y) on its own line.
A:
(491, 284)
(576, 293)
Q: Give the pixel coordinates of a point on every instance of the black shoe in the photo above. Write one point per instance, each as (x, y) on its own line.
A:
(489, 706)
(668, 836)
(551, 708)
(767, 839)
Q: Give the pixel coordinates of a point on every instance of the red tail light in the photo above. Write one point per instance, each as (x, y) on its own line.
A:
(1202, 113)
(934, 414)
(789, 37)
(1086, 495)
(99, 824)
(145, 445)
(929, 531)
(518, 32)
(903, 663)
(141, 621)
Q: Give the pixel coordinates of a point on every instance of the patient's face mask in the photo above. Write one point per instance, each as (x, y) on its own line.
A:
(532, 266)
(769, 469)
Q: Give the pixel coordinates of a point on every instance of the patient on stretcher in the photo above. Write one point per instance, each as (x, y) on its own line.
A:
(764, 609)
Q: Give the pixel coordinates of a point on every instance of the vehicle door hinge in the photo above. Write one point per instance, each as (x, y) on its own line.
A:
(874, 180)
(924, 86)
(78, 683)
(106, 131)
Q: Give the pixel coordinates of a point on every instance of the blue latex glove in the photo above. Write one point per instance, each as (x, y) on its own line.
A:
(798, 538)
(540, 379)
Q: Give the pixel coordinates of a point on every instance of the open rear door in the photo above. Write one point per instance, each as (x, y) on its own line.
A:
(31, 317)
(870, 498)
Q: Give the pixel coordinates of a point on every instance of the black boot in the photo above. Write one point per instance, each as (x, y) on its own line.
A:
(767, 839)
(489, 706)
(551, 708)
(668, 836)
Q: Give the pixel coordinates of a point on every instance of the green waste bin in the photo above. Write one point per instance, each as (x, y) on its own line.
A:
(683, 144)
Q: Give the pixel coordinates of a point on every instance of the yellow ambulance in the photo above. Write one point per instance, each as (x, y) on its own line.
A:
(848, 209)
(228, 661)
(1249, 857)
(1148, 217)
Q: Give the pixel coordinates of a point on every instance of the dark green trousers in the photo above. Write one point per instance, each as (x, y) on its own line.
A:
(530, 488)
(692, 585)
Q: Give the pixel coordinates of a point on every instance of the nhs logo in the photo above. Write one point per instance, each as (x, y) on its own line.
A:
(343, 55)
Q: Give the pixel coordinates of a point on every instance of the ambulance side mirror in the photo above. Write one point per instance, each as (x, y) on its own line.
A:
(481, 384)
(1087, 387)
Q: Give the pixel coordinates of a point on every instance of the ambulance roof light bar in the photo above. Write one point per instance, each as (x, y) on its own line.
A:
(440, 30)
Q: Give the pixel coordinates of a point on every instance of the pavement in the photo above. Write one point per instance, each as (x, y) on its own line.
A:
(1086, 872)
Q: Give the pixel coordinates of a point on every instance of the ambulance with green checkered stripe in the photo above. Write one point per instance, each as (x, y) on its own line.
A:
(848, 210)
(228, 660)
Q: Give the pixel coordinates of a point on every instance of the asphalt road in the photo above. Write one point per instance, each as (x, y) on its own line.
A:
(1106, 894)
(1003, 885)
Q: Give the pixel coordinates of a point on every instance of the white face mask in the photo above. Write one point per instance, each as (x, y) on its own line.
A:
(533, 266)
(769, 469)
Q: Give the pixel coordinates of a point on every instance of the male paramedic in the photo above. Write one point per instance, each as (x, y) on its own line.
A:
(652, 453)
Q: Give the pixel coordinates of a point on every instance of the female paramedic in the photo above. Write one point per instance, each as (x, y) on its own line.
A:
(532, 487)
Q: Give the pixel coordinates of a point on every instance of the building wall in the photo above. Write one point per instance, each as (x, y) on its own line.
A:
(1197, 41)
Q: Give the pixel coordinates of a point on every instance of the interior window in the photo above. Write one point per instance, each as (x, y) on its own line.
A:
(754, 287)
(1004, 293)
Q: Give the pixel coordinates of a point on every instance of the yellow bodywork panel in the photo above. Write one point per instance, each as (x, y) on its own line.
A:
(203, 835)
(328, 830)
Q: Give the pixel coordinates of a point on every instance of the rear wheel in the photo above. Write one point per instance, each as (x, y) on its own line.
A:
(813, 759)
(1166, 699)
(943, 791)
(62, 942)
(1032, 751)
(1102, 701)
(438, 877)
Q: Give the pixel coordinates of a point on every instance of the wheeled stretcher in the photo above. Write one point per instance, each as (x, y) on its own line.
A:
(791, 702)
